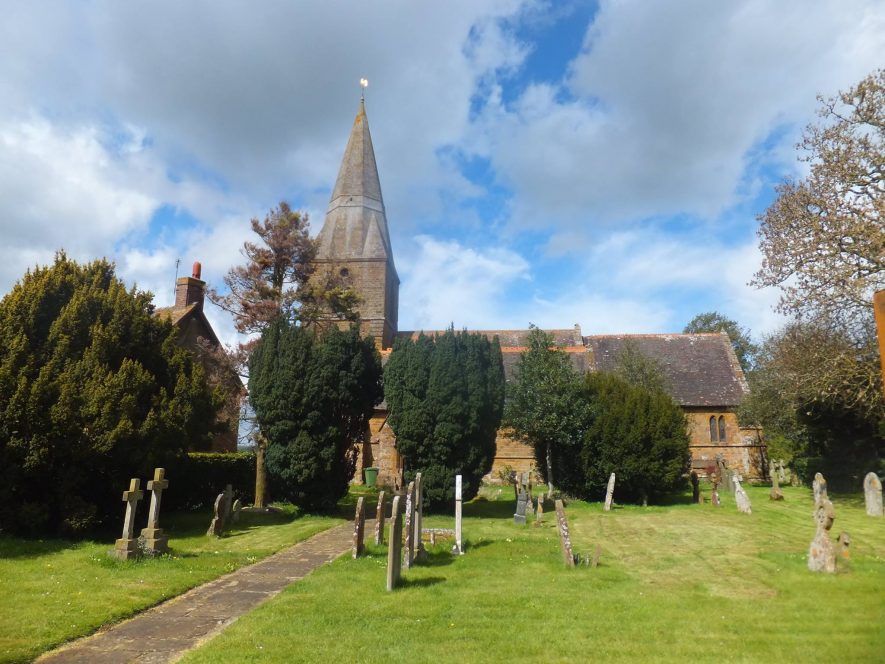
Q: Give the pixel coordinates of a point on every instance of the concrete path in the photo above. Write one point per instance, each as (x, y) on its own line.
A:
(165, 632)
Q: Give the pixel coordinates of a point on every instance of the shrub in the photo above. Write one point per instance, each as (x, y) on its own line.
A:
(198, 477)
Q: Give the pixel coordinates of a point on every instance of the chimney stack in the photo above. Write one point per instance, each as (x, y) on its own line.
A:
(190, 290)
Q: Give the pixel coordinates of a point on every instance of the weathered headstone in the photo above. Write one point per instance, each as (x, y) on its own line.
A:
(359, 528)
(394, 549)
(822, 553)
(235, 511)
(519, 517)
(417, 528)
(539, 513)
(819, 487)
(781, 473)
(872, 494)
(409, 549)
(458, 548)
(127, 546)
(609, 492)
(844, 543)
(565, 540)
(216, 526)
(155, 542)
(379, 519)
(228, 504)
(695, 487)
(775, 493)
(741, 498)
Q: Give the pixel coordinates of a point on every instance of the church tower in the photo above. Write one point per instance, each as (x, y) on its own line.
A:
(354, 242)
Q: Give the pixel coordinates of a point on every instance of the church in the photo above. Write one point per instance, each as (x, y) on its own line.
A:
(701, 370)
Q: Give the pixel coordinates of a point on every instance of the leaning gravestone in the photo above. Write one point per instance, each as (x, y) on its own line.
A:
(872, 493)
(155, 542)
(394, 550)
(519, 517)
(822, 553)
(819, 487)
(609, 493)
(216, 526)
(695, 487)
(565, 540)
(359, 528)
(379, 519)
(235, 511)
(775, 493)
(458, 548)
(741, 498)
(409, 551)
(127, 546)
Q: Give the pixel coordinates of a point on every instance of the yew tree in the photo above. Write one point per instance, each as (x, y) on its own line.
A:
(741, 341)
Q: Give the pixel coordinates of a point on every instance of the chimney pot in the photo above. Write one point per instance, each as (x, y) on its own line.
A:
(197, 269)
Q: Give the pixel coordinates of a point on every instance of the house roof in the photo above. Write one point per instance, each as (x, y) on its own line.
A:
(699, 369)
(180, 316)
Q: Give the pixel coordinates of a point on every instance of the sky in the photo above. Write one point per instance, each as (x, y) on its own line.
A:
(599, 163)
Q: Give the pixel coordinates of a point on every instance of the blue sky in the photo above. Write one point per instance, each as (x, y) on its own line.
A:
(547, 162)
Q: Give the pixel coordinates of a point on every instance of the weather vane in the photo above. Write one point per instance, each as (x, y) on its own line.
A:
(364, 83)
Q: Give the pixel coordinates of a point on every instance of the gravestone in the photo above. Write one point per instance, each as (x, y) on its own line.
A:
(409, 550)
(519, 517)
(781, 473)
(394, 549)
(822, 553)
(155, 542)
(872, 494)
(844, 543)
(216, 526)
(565, 541)
(539, 513)
(819, 487)
(359, 528)
(379, 519)
(741, 498)
(235, 511)
(228, 504)
(609, 492)
(695, 488)
(775, 493)
(127, 546)
(417, 527)
(596, 554)
(458, 548)
(726, 477)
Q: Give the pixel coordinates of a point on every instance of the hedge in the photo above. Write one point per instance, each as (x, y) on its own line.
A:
(197, 479)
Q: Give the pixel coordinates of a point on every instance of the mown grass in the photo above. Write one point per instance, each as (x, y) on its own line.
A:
(52, 591)
(675, 583)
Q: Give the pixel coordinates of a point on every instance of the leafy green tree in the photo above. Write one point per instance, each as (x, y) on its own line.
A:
(544, 406)
(93, 390)
(637, 433)
(713, 321)
(638, 369)
(446, 396)
(313, 397)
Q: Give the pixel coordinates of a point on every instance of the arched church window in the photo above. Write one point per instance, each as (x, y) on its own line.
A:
(721, 428)
(712, 428)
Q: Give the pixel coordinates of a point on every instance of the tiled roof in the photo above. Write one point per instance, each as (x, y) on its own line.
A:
(700, 369)
(174, 314)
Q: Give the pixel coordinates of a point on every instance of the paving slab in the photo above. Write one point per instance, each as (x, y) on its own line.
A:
(165, 632)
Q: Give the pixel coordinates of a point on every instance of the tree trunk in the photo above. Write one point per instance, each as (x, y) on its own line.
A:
(260, 472)
(549, 470)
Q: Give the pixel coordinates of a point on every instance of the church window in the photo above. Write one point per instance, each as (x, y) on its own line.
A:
(713, 429)
(721, 429)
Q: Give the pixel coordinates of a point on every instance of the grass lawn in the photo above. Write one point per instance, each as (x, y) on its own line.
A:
(55, 590)
(676, 583)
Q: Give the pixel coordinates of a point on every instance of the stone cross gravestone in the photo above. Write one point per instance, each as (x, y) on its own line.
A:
(519, 517)
(409, 550)
(872, 494)
(417, 529)
(609, 492)
(379, 519)
(359, 528)
(775, 493)
(127, 546)
(565, 541)
(821, 552)
(394, 550)
(741, 498)
(216, 526)
(155, 542)
(819, 487)
(458, 548)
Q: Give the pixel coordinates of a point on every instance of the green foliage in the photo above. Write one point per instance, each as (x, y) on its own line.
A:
(446, 396)
(638, 434)
(93, 390)
(545, 407)
(638, 369)
(313, 398)
(713, 321)
(198, 477)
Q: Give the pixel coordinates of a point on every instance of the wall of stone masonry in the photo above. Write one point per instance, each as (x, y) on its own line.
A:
(743, 449)
(379, 450)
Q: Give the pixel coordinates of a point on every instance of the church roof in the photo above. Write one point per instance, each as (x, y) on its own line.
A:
(699, 369)
(356, 224)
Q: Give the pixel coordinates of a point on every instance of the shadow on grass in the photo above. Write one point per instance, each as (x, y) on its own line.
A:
(420, 583)
(437, 559)
(470, 545)
(20, 547)
(490, 509)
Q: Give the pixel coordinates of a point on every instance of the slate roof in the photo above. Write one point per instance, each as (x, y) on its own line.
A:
(700, 369)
